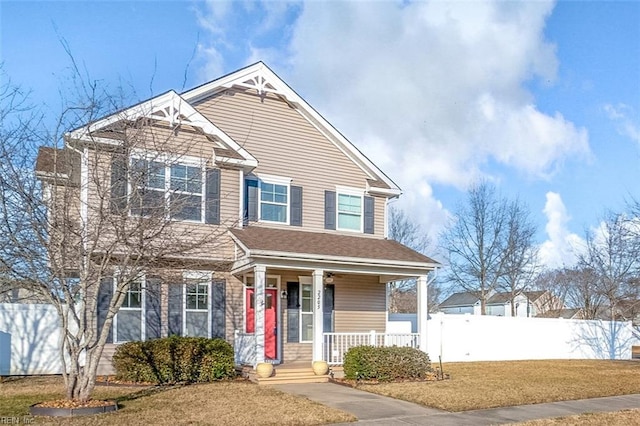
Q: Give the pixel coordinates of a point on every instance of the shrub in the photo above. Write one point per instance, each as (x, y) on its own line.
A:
(386, 363)
(174, 360)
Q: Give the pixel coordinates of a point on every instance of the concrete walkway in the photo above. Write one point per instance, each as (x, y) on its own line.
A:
(382, 410)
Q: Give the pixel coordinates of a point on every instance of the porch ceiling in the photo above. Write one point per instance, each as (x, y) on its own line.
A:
(284, 247)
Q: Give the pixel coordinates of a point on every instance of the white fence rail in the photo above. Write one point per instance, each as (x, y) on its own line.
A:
(29, 339)
(492, 338)
(335, 345)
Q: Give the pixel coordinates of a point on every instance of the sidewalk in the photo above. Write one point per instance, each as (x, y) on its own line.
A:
(382, 410)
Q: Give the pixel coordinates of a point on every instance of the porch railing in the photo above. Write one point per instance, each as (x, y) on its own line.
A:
(244, 348)
(335, 345)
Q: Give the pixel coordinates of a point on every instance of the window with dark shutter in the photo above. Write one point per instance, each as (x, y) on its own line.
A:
(118, 200)
(212, 201)
(369, 215)
(329, 210)
(293, 312)
(251, 201)
(296, 206)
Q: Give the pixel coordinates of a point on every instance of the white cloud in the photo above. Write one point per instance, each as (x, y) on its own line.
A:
(433, 92)
(562, 246)
(621, 115)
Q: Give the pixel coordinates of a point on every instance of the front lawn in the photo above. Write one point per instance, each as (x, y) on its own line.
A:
(618, 418)
(237, 403)
(478, 385)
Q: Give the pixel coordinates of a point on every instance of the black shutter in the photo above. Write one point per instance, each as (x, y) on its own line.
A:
(212, 192)
(175, 309)
(152, 308)
(293, 312)
(296, 206)
(218, 309)
(328, 306)
(118, 199)
(105, 293)
(251, 200)
(329, 210)
(369, 209)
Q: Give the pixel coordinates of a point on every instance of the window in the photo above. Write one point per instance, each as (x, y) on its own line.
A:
(349, 212)
(306, 313)
(186, 192)
(174, 189)
(197, 319)
(128, 322)
(274, 202)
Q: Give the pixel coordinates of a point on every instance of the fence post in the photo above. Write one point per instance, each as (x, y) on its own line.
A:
(372, 338)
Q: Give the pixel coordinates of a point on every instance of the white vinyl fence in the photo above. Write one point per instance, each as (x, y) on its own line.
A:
(493, 338)
(29, 339)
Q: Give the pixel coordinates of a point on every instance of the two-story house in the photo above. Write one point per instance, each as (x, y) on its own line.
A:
(292, 217)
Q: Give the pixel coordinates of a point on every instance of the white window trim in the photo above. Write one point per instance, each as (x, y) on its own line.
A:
(169, 160)
(356, 192)
(305, 280)
(274, 180)
(142, 309)
(207, 277)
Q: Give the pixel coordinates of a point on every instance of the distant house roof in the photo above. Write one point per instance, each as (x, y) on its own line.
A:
(466, 298)
(459, 299)
(535, 295)
(499, 299)
(561, 313)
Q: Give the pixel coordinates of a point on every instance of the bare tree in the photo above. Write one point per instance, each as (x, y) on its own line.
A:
(613, 257)
(521, 252)
(575, 287)
(476, 241)
(99, 211)
(402, 293)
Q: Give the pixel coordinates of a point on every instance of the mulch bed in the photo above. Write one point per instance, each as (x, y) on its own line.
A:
(72, 403)
(113, 381)
(355, 383)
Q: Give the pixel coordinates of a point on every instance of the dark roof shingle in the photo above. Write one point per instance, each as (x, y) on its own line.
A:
(326, 244)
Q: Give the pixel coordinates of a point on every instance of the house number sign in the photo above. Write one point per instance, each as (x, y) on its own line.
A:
(318, 300)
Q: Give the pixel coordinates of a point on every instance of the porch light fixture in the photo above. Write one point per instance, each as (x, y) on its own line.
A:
(283, 294)
(329, 278)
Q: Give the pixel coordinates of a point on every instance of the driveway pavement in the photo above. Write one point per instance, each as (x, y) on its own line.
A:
(382, 410)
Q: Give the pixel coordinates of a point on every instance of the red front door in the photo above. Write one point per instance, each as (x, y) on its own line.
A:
(270, 320)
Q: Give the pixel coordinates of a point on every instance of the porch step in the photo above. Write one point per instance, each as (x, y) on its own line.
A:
(284, 375)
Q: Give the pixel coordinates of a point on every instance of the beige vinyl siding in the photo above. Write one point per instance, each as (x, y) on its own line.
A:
(360, 304)
(287, 145)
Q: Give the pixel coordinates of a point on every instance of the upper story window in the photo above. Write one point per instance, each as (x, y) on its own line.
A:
(349, 212)
(274, 202)
(274, 199)
(174, 189)
(349, 209)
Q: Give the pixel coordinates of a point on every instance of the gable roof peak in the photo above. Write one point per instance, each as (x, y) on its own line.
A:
(260, 77)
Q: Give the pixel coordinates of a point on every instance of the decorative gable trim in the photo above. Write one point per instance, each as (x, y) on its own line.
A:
(173, 109)
(261, 78)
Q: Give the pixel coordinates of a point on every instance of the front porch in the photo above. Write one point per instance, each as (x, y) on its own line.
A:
(311, 296)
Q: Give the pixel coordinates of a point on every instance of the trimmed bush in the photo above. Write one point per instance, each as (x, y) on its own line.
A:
(174, 360)
(386, 363)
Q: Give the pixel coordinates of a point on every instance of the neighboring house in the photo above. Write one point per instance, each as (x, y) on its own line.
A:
(302, 212)
(575, 313)
(525, 304)
(461, 303)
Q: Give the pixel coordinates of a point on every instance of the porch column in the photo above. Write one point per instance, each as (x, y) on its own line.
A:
(423, 311)
(259, 274)
(318, 304)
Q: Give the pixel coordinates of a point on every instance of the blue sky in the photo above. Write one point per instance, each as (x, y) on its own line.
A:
(541, 98)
